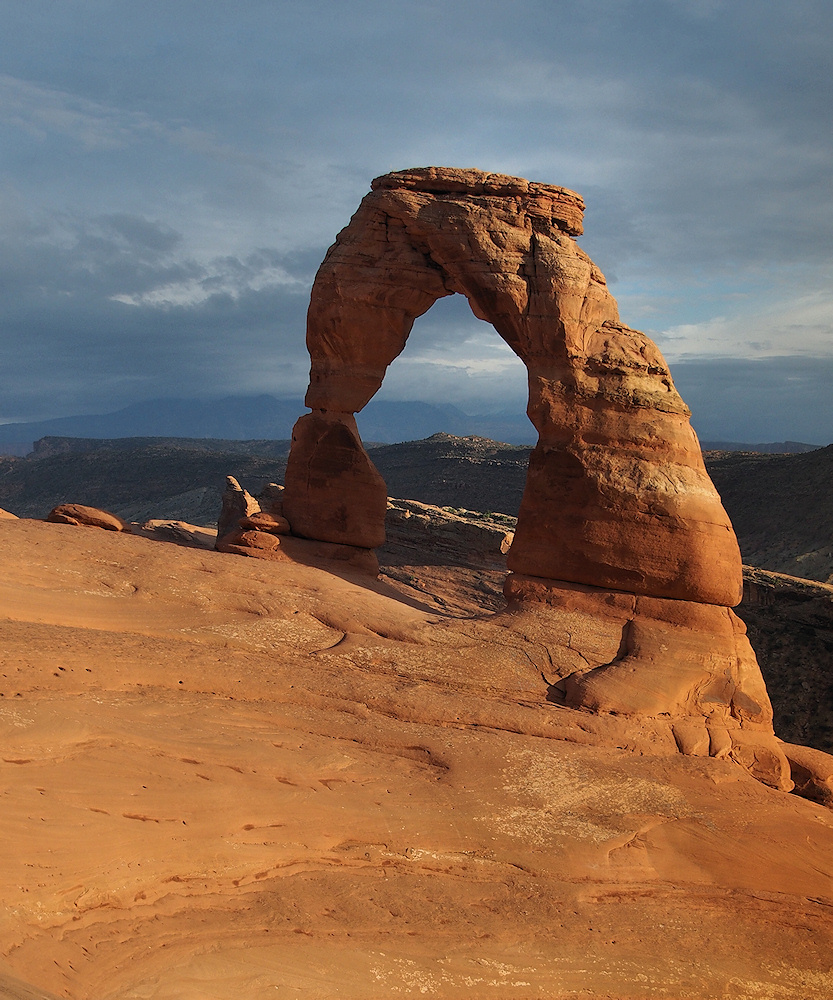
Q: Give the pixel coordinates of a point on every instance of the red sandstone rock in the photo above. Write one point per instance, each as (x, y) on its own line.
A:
(237, 503)
(617, 494)
(270, 498)
(6, 515)
(248, 542)
(812, 772)
(333, 491)
(274, 524)
(642, 657)
(76, 513)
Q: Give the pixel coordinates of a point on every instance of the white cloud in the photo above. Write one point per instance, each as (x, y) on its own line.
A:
(463, 361)
(800, 326)
(42, 112)
(218, 278)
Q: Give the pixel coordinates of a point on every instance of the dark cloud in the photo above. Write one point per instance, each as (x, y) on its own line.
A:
(170, 173)
(142, 234)
(87, 324)
(110, 354)
(774, 399)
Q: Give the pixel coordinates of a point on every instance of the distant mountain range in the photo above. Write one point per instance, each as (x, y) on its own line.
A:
(772, 448)
(267, 418)
(246, 418)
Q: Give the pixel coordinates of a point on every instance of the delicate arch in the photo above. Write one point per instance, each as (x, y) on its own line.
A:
(617, 495)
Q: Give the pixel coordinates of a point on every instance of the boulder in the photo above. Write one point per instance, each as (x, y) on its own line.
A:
(6, 515)
(248, 542)
(92, 517)
(812, 772)
(237, 504)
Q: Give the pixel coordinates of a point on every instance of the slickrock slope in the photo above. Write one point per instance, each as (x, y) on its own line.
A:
(243, 779)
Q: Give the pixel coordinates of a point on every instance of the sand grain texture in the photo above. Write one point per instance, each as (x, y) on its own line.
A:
(230, 778)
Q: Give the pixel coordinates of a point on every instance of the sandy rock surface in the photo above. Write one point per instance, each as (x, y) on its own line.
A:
(231, 778)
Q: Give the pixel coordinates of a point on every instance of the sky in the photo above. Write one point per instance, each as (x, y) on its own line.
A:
(172, 173)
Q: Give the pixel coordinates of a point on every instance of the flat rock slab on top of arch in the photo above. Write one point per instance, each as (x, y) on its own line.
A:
(617, 495)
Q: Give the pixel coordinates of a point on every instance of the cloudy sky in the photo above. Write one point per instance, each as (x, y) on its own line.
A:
(171, 174)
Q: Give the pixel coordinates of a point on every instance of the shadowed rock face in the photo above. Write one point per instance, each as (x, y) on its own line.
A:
(617, 495)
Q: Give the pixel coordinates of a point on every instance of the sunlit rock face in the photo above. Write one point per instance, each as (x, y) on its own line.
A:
(617, 495)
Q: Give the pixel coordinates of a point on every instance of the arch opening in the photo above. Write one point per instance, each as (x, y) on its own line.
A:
(459, 376)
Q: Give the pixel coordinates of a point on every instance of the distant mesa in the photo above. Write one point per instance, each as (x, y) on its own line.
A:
(247, 418)
(767, 448)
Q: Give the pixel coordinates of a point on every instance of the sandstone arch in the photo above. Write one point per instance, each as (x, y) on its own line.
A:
(617, 495)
